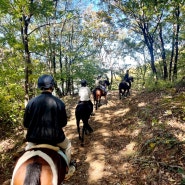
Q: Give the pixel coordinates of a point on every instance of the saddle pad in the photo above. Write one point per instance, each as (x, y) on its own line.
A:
(55, 148)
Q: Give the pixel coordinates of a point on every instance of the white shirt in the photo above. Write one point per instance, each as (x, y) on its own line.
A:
(84, 93)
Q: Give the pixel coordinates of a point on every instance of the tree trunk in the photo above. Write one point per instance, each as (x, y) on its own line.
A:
(149, 43)
(172, 54)
(177, 13)
(152, 62)
(28, 71)
(165, 71)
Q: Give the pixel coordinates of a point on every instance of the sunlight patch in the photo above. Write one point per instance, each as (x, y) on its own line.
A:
(6, 145)
(122, 112)
(97, 163)
(142, 104)
(104, 132)
(128, 150)
(96, 170)
(180, 134)
(135, 133)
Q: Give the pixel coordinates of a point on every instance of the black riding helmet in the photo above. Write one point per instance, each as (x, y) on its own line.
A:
(46, 82)
(99, 76)
(83, 83)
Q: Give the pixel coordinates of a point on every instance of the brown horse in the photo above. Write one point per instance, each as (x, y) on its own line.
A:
(97, 97)
(98, 93)
(40, 166)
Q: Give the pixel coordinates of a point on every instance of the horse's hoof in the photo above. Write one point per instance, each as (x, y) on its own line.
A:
(82, 144)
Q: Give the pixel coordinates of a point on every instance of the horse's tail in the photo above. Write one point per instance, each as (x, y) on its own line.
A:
(33, 171)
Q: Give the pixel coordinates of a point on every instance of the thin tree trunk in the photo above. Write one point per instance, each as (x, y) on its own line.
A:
(177, 13)
(165, 71)
(172, 54)
(28, 71)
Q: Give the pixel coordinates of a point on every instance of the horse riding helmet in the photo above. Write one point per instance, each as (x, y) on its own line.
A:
(45, 82)
(99, 76)
(83, 82)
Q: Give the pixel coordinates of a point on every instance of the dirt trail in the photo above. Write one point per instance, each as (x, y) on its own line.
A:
(103, 159)
(136, 141)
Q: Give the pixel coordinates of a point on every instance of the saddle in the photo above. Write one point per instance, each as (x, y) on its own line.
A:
(51, 147)
(126, 82)
(83, 102)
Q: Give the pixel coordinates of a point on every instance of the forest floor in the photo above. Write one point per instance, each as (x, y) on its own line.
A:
(139, 140)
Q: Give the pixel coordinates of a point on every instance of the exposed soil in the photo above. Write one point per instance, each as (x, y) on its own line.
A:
(138, 140)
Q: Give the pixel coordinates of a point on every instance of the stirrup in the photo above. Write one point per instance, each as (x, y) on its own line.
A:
(70, 173)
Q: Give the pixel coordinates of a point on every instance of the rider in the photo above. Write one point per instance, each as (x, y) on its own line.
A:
(44, 118)
(85, 94)
(99, 84)
(126, 77)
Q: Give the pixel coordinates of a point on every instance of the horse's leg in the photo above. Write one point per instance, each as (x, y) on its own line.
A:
(94, 98)
(128, 92)
(87, 126)
(96, 102)
(78, 128)
(99, 101)
(106, 99)
(83, 133)
(120, 94)
(123, 94)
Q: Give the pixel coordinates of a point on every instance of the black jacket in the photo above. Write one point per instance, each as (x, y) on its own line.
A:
(126, 77)
(44, 117)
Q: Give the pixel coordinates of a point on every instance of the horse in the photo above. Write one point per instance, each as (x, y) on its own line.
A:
(82, 112)
(40, 165)
(124, 87)
(98, 93)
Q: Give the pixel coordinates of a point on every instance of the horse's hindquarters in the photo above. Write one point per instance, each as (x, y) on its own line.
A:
(83, 111)
(28, 173)
(39, 167)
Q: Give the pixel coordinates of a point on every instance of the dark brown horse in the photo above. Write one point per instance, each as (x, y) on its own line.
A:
(98, 93)
(40, 166)
(82, 112)
(124, 87)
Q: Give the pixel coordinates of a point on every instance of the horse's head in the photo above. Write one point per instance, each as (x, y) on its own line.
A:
(106, 83)
(131, 79)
